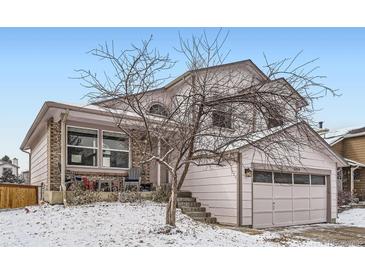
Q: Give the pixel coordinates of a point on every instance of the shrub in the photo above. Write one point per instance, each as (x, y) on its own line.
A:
(161, 195)
(130, 197)
(81, 196)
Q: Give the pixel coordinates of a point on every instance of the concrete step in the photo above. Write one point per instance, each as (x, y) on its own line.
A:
(198, 214)
(184, 194)
(208, 220)
(186, 199)
(193, 209)
(188, 204)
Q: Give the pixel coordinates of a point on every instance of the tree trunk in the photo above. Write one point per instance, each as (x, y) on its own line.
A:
(171, 205)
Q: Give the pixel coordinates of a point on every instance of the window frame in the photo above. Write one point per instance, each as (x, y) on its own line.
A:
(228, 113)
(102, 150)
(318, 175)
(286, 173)
(302, 174)
(157, 114)
(260, 182)
(94, 148)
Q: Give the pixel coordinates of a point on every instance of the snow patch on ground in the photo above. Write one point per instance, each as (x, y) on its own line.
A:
(352, 217)
(117, 224)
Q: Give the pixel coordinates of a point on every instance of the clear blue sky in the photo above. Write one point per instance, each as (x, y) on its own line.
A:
(36, 66)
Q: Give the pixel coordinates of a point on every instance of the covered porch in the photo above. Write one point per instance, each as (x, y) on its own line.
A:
(352, 180)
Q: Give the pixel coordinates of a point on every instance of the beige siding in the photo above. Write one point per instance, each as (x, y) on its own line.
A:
(354, 149)
(39, 161)
(215, 188)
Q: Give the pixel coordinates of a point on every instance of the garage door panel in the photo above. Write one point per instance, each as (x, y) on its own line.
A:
(300, 217)
(263, 219)
(301, 204)
(318, 191)
(262, 205)
(282, 191)
(318, 215)
(262, 191)
(318, 203)
(283, 204)
(300, 191)
(283, 218)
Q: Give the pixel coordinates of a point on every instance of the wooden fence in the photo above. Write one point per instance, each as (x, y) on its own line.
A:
(16, 196)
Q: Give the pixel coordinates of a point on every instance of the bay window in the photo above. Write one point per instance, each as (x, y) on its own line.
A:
(115, 150)
(82, 146)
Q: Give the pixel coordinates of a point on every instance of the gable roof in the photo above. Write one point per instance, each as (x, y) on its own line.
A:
(189, 72)
(273, 131)
(248, 62)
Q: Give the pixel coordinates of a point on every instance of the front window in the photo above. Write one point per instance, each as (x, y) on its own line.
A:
(115, 150)
(82, 146)
(222, 119)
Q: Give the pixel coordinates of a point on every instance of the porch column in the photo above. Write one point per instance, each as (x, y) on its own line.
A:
(158, 164)
(63, 155)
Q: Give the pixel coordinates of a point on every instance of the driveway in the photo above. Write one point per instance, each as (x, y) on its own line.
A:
(332, 234)
(327, 234)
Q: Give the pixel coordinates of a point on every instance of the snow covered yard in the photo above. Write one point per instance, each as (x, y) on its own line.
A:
(116, 224)
(352, 217)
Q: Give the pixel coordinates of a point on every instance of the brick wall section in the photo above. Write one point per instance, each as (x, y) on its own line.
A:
(136, 158)
(54, 155)
(54, 161)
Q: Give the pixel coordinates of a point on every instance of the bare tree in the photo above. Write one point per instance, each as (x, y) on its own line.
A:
(209, 112)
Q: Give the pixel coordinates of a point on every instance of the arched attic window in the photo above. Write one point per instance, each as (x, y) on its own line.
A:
(158, 109)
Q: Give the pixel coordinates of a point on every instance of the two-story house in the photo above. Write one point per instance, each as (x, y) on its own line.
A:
(350, 144)
(84, 140)
(10, 167)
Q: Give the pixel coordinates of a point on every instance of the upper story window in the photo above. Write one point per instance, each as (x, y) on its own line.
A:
(82, 146)
(273, 118)
(115, 150)
(222, 119)
(274, 122)
(158, 109)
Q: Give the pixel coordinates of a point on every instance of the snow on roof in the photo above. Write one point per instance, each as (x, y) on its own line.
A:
(332, 137)
(354, 163)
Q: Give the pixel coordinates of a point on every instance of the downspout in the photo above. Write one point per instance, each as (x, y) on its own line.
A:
(158, 163)
(63, 156)
(29, 163)
(239, 189)
(352, 185)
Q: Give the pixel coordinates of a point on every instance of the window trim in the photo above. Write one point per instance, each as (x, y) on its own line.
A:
(222, 112)
(95, 148)
(102, 150)
(302, 174)
(320, 175)
(156, 114)
(258, 170)
(287, 173)
(292, 176)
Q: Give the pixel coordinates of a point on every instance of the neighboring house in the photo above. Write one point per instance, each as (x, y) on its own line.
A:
(26, 177)
(83, 140)
(9, 166)
(350, 144)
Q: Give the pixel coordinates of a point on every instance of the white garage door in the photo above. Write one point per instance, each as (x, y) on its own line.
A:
(283, 199)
